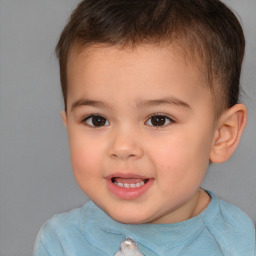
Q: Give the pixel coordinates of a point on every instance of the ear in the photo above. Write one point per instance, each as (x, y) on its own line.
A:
(64, 117)
(229, 130)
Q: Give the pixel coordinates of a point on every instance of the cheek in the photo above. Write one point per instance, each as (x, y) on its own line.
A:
(173, 153)
(183, 156)
(85, 154)
(83, 159)
(86, 166)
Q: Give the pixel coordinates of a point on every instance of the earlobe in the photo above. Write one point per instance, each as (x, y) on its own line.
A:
(228, 133)
(64, 117)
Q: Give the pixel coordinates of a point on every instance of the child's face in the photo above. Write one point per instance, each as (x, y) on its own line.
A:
(141, 127)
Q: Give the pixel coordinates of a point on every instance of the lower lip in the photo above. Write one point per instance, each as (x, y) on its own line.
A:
(128, 193)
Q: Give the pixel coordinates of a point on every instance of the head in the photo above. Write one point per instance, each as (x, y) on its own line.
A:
(206, 32)
(151, 91)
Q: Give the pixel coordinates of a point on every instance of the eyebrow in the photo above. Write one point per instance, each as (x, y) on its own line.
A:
(163, 101)
(87, 102)
(140, 103)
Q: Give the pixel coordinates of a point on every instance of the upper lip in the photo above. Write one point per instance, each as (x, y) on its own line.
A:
(126, 176)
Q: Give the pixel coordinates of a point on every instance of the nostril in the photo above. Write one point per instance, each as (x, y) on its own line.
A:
(123, 154)
(125, 149)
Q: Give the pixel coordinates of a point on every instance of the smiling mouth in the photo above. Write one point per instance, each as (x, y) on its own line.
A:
(129, 183)
(129, 186)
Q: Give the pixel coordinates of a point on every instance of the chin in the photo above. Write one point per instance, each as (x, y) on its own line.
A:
(131, 221)
(128, 219)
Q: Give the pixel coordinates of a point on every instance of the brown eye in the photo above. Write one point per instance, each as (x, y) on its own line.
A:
(158, 120)
(96, 121)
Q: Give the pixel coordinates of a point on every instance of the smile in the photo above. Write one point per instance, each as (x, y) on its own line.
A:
(128, 187)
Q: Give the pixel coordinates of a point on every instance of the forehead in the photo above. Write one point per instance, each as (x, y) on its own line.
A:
(144, 70)
(153, 58)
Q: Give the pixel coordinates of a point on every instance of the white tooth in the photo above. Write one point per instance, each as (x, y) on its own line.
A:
(119, 184)
(137, 185)
(126, 185)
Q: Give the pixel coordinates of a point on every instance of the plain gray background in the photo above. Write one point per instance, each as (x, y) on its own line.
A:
(36, 179)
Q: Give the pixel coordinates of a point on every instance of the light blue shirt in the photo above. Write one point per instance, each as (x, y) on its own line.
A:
(221, 229)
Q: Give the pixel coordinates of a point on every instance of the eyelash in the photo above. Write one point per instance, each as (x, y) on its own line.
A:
(85, 120)
(161, 116)
(103, 121)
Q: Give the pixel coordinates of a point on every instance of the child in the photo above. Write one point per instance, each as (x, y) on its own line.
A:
(151, 99)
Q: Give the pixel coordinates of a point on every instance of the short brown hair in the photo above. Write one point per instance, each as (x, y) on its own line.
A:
(207, 30)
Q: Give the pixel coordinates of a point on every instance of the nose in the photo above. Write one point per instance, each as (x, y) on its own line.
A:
(125, 145)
